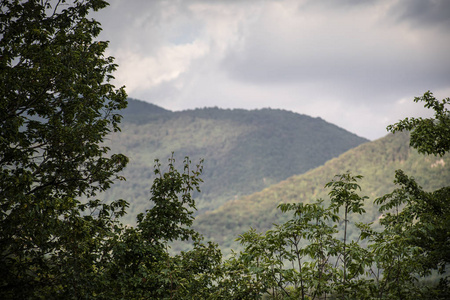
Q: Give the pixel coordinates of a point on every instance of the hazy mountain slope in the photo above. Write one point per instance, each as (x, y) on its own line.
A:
(376, 161)
(140, 112)
(243, 151)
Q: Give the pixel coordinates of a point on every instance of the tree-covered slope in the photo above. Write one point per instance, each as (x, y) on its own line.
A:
(376, 161)
(243, 151)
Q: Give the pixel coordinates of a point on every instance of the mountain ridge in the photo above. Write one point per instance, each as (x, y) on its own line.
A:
(243, 150)
(143, 111)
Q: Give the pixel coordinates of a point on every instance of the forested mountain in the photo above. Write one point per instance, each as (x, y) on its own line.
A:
(243, 151)
(376, 161)
(61, 239)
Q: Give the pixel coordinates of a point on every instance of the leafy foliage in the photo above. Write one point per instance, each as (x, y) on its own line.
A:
(305, 257)
(57, 239)
(432, 135)
(141, 265)
(171, 216)
(56, 106)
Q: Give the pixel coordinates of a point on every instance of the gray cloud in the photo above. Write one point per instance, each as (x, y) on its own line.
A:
(421, 13)
(342, 56)
(357, 64)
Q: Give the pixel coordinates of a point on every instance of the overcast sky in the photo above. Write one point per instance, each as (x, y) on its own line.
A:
(357, 64)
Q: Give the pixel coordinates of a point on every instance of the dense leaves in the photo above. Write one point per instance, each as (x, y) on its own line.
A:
(141, 265)
(311, 257)
(171, 217)
(56, 107)
(432, 135)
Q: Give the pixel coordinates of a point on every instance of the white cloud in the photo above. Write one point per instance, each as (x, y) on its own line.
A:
(141, 72)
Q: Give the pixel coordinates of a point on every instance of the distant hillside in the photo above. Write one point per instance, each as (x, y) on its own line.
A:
(244, 151)
(376, 161)
(139, 112)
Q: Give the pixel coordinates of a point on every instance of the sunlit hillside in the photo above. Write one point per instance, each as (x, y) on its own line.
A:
(376, 161)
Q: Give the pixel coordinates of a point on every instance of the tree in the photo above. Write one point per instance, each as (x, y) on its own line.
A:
(57, 105)
(304, 257)
(431, 135)
(425, 217)
(141, 266)
(57, 239)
